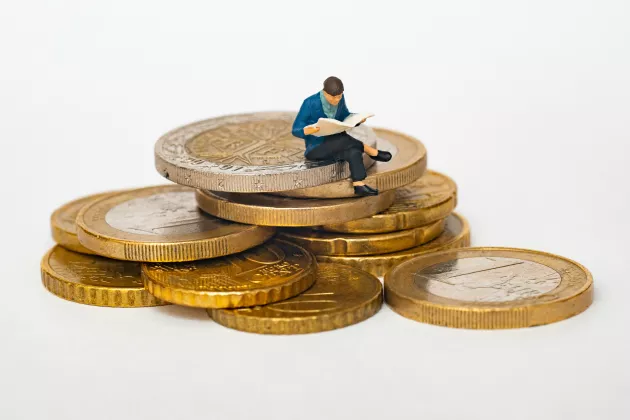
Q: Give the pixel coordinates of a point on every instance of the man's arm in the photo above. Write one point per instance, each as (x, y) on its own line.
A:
(343, 109)
(301, 121)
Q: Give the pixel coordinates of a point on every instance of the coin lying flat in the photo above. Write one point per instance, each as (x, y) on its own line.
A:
(274, 271)
(94, 280)
(431, 197)
(247, 153)
(489, 288)
(64, 227)
(272, 210)
(161, 224)
(456, 234)
(341, 296)
(331, 243)
(408, 162)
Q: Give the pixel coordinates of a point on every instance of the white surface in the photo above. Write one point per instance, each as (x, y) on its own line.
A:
(525, 104)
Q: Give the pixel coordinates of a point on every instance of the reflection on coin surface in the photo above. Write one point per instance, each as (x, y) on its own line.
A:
(456, 234)
(272, 210)
(331, 243)
(409, 160)
(489, 288)
(63, 223)
(341, 296)
(94, 280)
(431, 197)
(247, 153)
(161, 224)
(268, 273)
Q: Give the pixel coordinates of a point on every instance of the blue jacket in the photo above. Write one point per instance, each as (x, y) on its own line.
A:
(310, 112)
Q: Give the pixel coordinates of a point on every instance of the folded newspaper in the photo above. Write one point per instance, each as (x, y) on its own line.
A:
(328, 126)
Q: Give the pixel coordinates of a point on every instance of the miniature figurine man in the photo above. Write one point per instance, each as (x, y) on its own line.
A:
(330, 103)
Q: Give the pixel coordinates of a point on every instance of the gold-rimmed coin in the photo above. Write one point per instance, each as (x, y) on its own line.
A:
(431, 197)
(247, 153)
(341, 296)
(273, 210)
(456, 234)
(347, 244)
(408, 162)
(94, 280)
(270, 272)
(161, 224)
(63, 223)
(489, 288)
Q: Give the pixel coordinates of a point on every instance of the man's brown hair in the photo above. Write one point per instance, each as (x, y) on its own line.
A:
(333, 86)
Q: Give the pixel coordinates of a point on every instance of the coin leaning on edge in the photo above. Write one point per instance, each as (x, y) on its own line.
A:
(94, 280)
(272, 210)
(341, 296)
(254, 152)
(161, 224)
(489, 288)
(273, 271)
(456, 234)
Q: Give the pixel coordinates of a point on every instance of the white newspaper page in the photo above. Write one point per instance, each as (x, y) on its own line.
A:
(328, 126)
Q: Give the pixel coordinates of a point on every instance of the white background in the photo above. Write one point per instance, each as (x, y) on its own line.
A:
(526, 104)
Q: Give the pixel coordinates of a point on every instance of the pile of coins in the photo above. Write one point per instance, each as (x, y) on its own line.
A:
(269, 242)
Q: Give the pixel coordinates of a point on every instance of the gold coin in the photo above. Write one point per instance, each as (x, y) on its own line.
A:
(341, 296)
(489, 288)
(409, 160)
(94, 280)
(247, 153)
(431, 197)
(456, 234)
(274, 271)
(331, 243)
(63, 223)
(161, 224)
(272, 210)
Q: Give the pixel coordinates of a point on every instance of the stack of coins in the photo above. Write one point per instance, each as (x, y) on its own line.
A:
(261, 238)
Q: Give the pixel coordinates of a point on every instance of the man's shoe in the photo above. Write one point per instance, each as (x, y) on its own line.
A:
(373, 189)
(382, 156)
(364, 190)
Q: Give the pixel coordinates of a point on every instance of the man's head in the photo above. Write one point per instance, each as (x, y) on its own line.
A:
(333, 90)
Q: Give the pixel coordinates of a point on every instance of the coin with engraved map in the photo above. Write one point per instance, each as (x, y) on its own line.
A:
(273, 210)
(456, 234)
(247, 153)
(431, 197)
(333, 243)
(63, 223)
(161, 224)
(270, 272)
(408, 163)
(94, 280)
(341, 296)
(489, 288)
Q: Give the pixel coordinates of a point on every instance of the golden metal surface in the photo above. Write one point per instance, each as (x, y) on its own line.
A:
(341, 296)
(272, 210)
(409, 160)
(63, 223)
(274, 271)
(247, 153)
(456, 234)
(94, 280)
(489, 288)
(431, 197)
(161, 224)
(332, 243)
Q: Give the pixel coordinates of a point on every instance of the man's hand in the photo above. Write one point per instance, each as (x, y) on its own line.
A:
(310, 130)
(363, 120)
